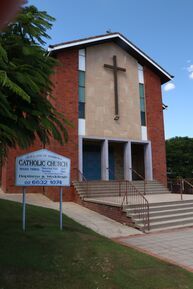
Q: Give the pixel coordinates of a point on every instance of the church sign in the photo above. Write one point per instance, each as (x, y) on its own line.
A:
(42, 168)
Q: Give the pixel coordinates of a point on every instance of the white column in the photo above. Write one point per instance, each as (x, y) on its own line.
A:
(80, 156)
(127, 161)
(105, 160)
(148, 162)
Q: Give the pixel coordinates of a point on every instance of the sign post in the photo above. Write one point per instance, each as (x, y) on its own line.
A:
(61, 225)
(42, 168)
(24, 209)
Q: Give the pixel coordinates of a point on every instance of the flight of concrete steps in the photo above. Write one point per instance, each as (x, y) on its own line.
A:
(151, 187)
(97, 189)
(165, 215)
(111, 188)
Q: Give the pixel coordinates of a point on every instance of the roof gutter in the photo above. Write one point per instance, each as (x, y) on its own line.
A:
(106, 37)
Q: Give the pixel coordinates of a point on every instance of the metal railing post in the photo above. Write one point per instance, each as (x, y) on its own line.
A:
(181, 188)
(79, 173)
(141, 203)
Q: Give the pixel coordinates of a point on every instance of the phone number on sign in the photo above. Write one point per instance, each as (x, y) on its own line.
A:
(43, 182)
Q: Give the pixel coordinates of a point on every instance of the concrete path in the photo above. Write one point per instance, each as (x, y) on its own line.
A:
(175, 246)
(98, 223)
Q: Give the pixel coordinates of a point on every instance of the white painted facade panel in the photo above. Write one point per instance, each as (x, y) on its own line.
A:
(81, 126)
(144, 133)
(82, 60)
(140, 74)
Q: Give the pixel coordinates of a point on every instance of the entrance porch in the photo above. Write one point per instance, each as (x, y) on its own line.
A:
(114, 159)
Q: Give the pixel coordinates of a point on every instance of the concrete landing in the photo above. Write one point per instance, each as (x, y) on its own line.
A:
(159, 198)
(156, 198)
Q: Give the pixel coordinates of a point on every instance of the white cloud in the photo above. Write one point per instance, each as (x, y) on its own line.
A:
(190, 68)
(169, 86)
(191, 75)
(190, 71)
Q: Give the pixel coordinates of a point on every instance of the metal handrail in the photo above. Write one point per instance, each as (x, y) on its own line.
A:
(141, 177)
(181, 184)
(83, 178)
(182, 189)
(80, 173)
(189, 180)
(188, 183)
(139, 200)
(130, 196)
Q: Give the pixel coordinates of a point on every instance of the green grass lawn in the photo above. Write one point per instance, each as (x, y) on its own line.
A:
(77, 258)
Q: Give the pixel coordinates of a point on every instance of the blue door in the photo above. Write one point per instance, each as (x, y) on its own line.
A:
(92, 161)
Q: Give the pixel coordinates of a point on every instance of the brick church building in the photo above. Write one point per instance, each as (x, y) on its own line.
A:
(111, 91)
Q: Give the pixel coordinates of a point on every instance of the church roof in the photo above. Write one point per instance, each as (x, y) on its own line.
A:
(123, 42)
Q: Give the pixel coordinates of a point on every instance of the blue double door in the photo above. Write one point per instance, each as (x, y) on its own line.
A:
(92, 162)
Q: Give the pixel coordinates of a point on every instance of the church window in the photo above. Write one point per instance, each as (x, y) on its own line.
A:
(81, 83)
(81, 94)
(142, 104)
(142, 95)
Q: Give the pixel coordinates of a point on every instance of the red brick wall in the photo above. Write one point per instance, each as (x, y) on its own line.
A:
(155, 125)
(65, 92)
(4, 177)
(111, 212)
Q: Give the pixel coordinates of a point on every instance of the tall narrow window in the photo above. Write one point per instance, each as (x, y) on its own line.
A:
(142, 95)
(81, 84)
(142, 104)
(81, 93)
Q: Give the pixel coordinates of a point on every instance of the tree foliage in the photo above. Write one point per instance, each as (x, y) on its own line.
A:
(25, 70)
(179, 152)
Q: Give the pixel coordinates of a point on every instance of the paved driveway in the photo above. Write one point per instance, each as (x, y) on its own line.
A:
(175, 246)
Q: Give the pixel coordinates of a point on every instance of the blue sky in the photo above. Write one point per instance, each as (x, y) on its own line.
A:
(161, 28)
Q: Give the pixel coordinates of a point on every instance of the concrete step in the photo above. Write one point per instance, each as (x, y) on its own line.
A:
(170, 223)
(103, 189)
(170, 202)
(173, 202)
(148, 185)
(152, 187)
(167, 212)
(170, 228)
(165, 215)
(99, 195)
(94, 183)
(99, 189)
(162, 211)
(115, 188)
(167, 218)
(163, 208)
